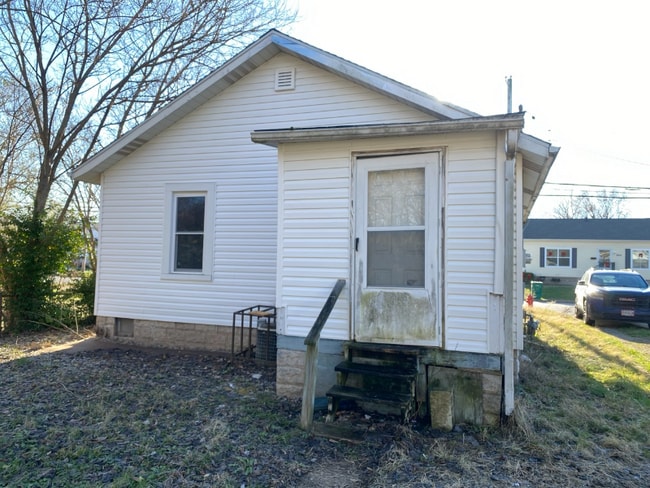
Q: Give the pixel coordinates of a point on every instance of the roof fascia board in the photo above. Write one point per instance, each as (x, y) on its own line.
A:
(538, 158)
(532, 146)
(274, 137)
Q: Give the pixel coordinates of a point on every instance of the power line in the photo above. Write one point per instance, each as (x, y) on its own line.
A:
(599, 186)
(614, 197)
(610, 156)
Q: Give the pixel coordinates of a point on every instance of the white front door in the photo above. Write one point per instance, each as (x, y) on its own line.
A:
(397, 249)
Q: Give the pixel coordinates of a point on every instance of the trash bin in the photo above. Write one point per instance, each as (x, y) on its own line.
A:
(536, 288)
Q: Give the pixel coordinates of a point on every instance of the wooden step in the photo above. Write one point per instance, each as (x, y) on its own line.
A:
(401, 400)
(355, 434)
(349, 433)
(396, 372)
(372, 347)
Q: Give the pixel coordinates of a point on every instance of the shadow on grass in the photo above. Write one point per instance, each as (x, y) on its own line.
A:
(633, 332)
(587, 397)
(607, 360)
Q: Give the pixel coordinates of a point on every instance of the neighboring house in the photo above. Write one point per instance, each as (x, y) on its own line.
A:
(289, 168)
(564, 248)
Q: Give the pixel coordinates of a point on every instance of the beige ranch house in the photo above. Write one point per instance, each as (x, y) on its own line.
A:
(289, 169)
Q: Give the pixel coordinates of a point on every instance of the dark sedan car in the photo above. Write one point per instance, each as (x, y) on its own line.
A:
(612, 295)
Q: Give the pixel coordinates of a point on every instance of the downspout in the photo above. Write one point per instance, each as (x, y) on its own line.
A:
(512, 136)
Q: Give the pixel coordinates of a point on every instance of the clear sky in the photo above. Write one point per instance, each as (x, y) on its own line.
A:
(581, 70)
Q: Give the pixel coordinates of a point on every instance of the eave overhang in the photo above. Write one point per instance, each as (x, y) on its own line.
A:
(538, 158)
(275, 137)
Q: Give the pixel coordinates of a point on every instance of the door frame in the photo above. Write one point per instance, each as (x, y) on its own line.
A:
(434, 235)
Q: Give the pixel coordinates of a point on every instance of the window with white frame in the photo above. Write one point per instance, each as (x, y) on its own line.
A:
(558, 257)
(640, 258)
(188, 232)
(189, 228)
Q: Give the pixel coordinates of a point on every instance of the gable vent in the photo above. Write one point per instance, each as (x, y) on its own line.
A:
(285, 79)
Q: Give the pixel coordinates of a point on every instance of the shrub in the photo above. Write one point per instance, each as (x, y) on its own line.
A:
(33, 250)
(83, 290)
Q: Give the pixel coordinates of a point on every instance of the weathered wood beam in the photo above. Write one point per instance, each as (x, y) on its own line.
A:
(311, 357)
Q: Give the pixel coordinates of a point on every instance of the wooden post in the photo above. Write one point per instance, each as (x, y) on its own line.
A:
(311, 357)
(309, 389)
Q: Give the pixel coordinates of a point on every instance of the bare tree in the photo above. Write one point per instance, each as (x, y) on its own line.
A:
(602, 205)
(86, 203)
(15, 132)
(92, 69)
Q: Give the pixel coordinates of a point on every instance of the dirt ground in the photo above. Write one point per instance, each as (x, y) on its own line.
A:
(124, 416)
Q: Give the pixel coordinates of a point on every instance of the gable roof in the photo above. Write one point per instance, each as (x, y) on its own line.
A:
(588, 229)
(538, 155)
(261, 51)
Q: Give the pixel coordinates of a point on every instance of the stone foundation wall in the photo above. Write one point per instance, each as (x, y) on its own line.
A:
(290, 365)
(475, 396)
(290, 376)
(172, 335)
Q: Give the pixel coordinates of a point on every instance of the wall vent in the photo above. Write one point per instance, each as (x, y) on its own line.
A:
(285, 79)
(124, 327)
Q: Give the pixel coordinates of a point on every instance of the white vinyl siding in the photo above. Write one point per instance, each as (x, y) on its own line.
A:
(315, 241)
(314, 238)
(470, 244)
(212, 146)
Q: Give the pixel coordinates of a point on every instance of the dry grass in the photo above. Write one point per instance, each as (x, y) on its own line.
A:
(124, 418)
(585, 397)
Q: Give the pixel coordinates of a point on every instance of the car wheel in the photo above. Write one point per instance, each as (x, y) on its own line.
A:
(585, 314)
(578, 312)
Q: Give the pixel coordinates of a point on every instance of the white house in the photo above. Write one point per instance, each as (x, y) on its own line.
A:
(562, 249)
(289, 168)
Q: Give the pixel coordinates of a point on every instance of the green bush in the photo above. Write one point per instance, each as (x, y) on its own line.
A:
(33, 251)
(83, 290)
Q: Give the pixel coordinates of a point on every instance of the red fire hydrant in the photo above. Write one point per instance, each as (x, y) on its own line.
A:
(529, 300)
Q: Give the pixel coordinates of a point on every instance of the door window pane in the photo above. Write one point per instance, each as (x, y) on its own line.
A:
(604, 259)
(396, 228)
(396, 198)
(396, 259)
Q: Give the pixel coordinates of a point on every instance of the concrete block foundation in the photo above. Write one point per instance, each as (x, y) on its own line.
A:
(173, 335)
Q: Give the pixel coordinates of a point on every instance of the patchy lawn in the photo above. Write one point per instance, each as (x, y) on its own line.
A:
(123, 418)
